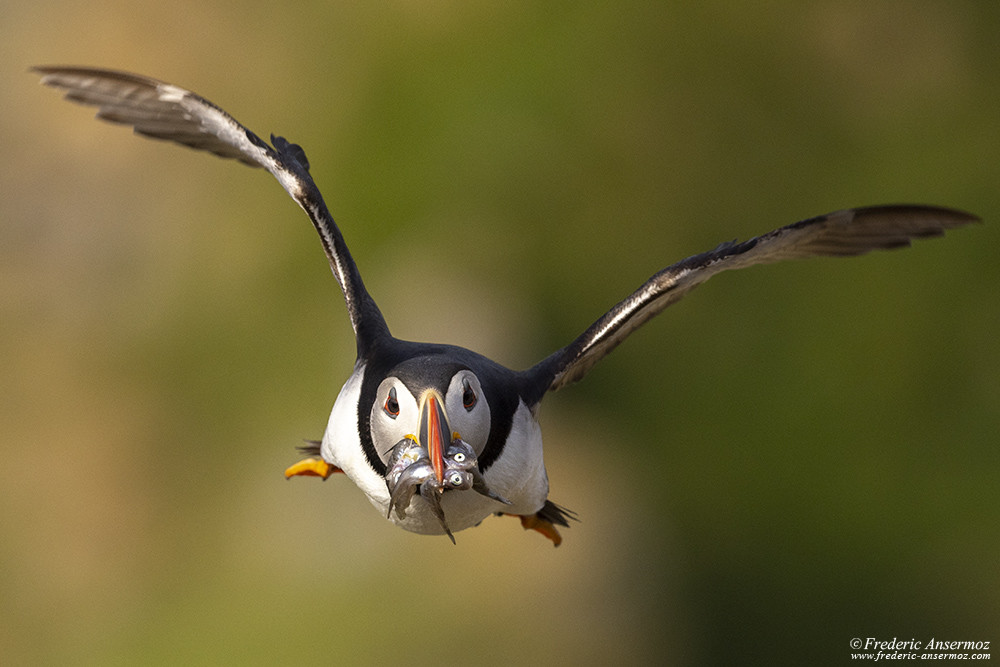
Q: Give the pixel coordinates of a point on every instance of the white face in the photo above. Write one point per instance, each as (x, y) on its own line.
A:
(467, 409)
(396, 414)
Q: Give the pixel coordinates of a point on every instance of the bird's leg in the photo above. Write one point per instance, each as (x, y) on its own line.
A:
(544, 520)
(314, 466)
(543, 526)
(311, 467)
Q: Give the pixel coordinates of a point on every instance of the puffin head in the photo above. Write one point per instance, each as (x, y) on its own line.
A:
(432, 404)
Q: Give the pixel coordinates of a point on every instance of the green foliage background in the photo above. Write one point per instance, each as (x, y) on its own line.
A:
(794, 456)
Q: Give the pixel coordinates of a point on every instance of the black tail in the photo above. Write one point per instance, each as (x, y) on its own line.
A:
(311, 447)
(556, 514)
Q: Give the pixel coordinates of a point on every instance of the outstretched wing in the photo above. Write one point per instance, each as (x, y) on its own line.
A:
(843, 233)
(164, 111)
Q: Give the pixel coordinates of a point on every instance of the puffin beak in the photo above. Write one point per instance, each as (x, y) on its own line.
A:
(435, 431)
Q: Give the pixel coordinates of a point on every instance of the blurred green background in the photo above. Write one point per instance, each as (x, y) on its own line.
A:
(794, 456)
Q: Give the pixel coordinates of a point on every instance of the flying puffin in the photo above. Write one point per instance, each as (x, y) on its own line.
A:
(438, 421)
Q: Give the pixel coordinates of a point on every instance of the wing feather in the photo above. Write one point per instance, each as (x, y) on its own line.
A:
(163, 111)
(839, 234)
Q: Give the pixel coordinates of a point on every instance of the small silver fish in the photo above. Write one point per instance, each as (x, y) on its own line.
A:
(431, 491)
(416, 475)
(405, 453)
(409, 469)
(461, 456)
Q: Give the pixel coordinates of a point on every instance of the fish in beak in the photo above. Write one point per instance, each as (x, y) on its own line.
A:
(432, 462)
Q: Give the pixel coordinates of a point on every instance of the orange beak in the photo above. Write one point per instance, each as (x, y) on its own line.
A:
(435, 432)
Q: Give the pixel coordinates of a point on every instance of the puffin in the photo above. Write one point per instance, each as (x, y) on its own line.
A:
(439, 437)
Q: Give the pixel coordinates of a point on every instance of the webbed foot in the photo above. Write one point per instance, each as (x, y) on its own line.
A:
(311, 467)
(544, 521)
(314, 466)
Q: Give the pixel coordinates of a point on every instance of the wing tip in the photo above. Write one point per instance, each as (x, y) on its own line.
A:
(946, 216)
(45, 73)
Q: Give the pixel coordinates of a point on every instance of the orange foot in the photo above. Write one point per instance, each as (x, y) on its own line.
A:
(543, 526)
(311, 467)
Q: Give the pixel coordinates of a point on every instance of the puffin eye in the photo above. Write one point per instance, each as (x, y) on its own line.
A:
(468, 396)
(391, 406)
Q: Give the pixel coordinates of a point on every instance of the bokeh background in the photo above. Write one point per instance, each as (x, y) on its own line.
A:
(792, 457)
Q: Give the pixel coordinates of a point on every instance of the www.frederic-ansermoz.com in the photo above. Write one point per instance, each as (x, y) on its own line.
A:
(877, 650)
